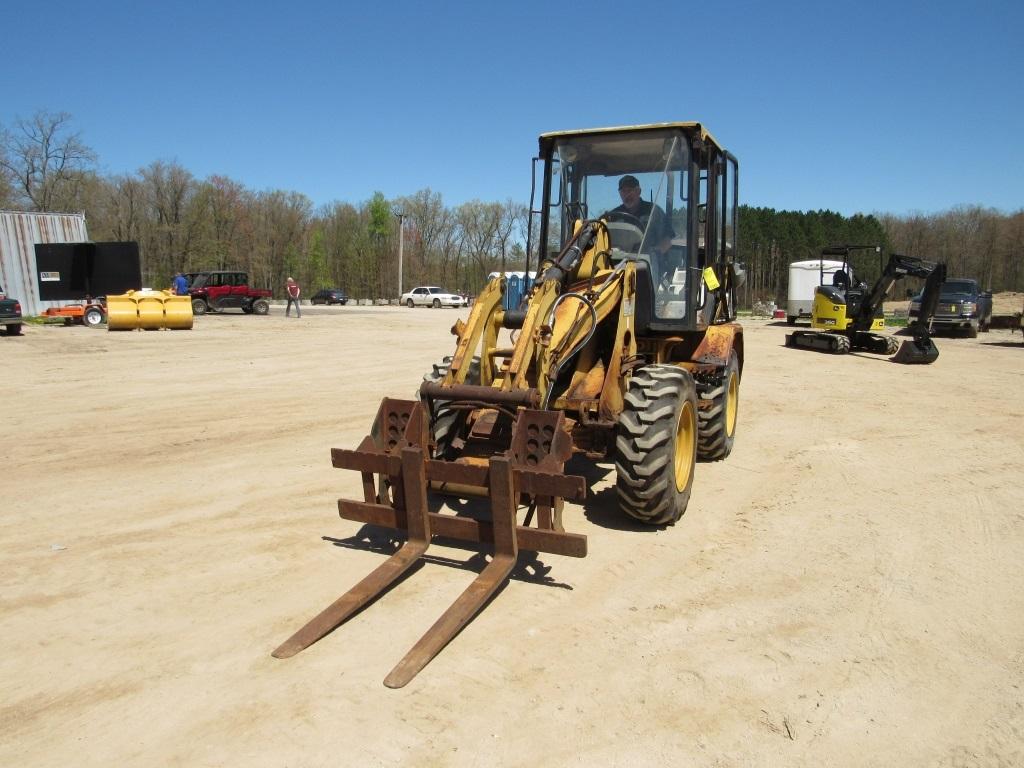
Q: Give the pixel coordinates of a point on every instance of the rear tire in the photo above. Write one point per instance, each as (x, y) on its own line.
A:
(13, 330)
(656, 446)
(717, 421)
(437, 304)
(791, 319)
(892, 345)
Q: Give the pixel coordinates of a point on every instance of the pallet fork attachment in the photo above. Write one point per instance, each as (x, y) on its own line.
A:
(531, 468)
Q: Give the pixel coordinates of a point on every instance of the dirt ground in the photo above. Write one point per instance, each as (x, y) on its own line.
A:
(846, 589)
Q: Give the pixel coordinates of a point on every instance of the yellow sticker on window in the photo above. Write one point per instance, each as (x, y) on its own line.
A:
(710, 280)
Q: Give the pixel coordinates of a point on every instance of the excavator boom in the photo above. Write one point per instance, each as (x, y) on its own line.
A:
(921, 350)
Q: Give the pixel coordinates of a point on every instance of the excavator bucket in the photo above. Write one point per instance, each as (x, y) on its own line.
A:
(917, 352)
(397, 473)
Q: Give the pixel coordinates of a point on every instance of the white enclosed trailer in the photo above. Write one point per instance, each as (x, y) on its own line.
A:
(804, 278)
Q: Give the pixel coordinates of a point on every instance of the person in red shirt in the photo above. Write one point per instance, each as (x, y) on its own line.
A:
(293, 296)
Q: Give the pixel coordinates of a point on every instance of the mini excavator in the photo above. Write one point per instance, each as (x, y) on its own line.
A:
(848, 317)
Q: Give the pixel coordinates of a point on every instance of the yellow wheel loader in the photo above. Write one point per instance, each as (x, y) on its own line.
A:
(847, 315)
(625, 349)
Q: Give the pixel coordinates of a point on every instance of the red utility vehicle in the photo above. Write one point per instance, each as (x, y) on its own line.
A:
(226, 289)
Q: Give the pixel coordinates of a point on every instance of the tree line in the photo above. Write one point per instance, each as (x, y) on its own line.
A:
(187, 224)
(975, 242)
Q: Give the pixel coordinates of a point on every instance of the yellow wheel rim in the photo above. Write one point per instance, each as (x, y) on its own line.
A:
(686, 441)
(732, 405)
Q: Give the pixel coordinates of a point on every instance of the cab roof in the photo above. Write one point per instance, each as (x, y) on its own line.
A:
(689, 127)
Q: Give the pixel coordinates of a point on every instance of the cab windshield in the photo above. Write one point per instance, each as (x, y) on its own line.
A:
(637, 183)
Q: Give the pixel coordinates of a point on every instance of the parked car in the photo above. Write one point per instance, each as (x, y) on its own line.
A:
(329, 296)
(962, 306)
(10, 314)
(432, 296)
(226, 289)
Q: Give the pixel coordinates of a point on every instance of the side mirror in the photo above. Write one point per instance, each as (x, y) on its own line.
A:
(702, 213)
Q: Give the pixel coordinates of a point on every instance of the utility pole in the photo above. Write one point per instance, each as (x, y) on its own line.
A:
(401, 244)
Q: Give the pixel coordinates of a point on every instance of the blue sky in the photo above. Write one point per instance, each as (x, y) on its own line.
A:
(857, 107)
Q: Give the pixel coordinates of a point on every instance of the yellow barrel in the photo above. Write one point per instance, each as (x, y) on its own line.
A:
(148, 310)
(151, 311)
(178, 313)
(122, 312)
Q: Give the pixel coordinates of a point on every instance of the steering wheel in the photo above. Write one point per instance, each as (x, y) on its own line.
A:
(625, 231)
(625, 218)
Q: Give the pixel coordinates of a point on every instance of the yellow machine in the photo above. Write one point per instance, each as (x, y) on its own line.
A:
(849, 316)
(149, 311)
(625, 349)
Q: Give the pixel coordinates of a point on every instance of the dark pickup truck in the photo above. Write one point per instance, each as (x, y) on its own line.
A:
(226, 289)
(10, 314)
(963, 306)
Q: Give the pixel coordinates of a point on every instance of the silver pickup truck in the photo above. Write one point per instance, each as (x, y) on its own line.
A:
(963, 306)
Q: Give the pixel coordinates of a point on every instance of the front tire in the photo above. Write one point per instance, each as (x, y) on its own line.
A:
(656, 446)
(717, 420)
(261, 307)
(199, 307)
(409, 304)
(447, 423)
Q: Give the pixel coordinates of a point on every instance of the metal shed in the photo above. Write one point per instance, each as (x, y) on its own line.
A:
(19, 233)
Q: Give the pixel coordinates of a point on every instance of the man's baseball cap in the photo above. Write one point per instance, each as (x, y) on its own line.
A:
(628, 181)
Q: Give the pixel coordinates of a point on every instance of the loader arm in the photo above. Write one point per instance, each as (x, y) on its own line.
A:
(483, 323)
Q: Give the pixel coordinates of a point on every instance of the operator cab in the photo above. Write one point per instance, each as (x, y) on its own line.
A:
(684, 222)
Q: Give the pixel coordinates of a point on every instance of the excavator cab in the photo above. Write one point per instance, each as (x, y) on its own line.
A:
(837, 305)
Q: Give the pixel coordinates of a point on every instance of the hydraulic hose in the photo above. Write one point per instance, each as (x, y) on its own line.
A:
(553, 375)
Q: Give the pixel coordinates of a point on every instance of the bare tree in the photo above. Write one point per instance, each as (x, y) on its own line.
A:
(480, 224)
(44, 161)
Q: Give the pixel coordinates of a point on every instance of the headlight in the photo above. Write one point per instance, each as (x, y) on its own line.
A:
(969, 307)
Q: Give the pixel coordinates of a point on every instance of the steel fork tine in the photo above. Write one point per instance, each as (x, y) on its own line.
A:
(415, 485)
(506, 551)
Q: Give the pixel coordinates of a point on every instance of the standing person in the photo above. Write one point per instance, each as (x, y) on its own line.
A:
(180, 284)
(293, 296)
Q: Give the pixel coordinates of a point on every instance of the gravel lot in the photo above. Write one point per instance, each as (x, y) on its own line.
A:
(846, 589)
